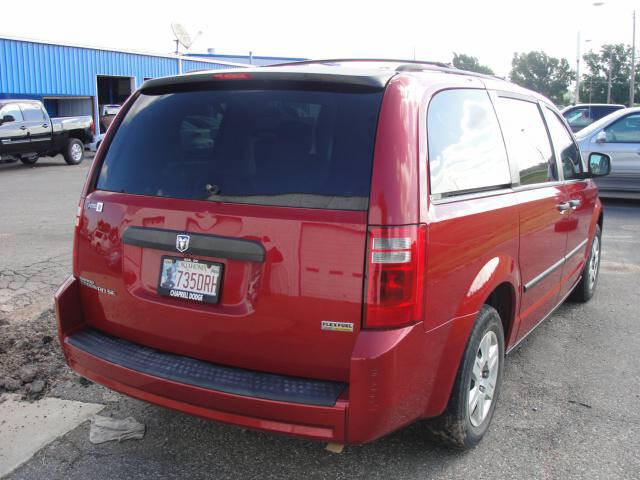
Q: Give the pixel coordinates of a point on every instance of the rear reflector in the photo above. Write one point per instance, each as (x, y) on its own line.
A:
(395, 276)
(76, 234)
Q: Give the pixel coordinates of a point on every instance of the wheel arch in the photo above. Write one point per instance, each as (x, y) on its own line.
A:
(77, 134)
(495, 284)
(601, 218)
(497, 281)
(503, 299)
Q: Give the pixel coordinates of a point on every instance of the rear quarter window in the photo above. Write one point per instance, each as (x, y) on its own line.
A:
(299, 148)
(32, 112)
(466, 150)
(599, 112)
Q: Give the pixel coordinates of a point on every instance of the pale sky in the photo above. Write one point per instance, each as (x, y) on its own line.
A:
(489, 30)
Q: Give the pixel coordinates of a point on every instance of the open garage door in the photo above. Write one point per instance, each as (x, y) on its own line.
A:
(112, 92)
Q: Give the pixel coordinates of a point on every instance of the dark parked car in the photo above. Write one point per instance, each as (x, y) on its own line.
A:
(580, 116)
(27, 133)
(326, 251)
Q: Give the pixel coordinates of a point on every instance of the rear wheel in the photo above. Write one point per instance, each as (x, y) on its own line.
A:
(477, 385)
(73, 152)
(587, 285)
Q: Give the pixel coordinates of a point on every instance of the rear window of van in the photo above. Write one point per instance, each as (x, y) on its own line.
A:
(298, 148)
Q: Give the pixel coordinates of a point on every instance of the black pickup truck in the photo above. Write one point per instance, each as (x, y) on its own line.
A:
(27, 133)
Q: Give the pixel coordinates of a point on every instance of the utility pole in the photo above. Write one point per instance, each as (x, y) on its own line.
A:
(632, 81)
(577, 95)
(609, 79)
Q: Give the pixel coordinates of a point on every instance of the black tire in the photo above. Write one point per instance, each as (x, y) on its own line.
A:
(586, 287)
(29, 160)
(73, 152)
(454, 427)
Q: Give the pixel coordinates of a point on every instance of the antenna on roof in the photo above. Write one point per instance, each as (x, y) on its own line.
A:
(182, 36)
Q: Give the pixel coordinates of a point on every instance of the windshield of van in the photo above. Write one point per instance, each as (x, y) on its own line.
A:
(295, 148)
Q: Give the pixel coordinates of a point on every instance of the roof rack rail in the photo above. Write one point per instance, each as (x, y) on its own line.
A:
(416, 67)
(404, 65)
(329, 61)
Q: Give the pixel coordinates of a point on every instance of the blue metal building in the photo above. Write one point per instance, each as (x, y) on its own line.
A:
(77, 80)
(257, 60)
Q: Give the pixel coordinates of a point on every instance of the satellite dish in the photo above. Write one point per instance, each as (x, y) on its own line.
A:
(182, 36)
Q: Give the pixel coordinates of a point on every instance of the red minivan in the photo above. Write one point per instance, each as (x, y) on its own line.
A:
(329, 249)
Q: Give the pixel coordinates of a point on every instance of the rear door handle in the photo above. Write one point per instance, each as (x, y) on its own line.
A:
(563, 207)
(575, 203)
(45, 125)
(22, 127)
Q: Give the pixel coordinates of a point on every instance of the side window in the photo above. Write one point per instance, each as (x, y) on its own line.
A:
(527, 140)
(624, 130)
(466, 151)
(570, 157)
(580, 117)
(13, 110)
(32, 112)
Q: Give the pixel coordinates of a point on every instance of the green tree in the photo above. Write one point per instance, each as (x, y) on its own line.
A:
(607, 75)
(538, 71)
(469, 63)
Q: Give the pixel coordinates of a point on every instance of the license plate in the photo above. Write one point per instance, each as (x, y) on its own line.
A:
(190, 279)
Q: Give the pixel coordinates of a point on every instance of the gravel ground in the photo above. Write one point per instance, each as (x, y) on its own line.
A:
(567, 408)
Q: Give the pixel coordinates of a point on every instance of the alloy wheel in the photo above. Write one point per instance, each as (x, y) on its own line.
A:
(484, 376)
(594, 263)
(76, 152)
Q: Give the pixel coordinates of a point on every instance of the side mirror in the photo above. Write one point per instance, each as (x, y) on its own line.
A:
(7, 119)
(601, 137)
(599, 164)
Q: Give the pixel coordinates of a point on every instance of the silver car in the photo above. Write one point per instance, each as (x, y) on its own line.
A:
(617, 135)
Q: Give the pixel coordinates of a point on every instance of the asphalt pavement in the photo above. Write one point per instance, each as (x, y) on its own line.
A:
(568, 408)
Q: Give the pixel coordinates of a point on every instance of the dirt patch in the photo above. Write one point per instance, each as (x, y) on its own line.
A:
(31, 361)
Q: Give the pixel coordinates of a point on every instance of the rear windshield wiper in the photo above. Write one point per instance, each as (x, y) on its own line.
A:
(213, 190)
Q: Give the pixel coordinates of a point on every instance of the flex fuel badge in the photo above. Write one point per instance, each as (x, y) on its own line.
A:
(336, 326)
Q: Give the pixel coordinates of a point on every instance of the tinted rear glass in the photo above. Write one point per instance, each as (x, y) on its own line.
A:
(272, 147)
(599, 112)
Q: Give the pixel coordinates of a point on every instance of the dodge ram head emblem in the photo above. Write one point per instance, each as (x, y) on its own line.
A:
(182, 243)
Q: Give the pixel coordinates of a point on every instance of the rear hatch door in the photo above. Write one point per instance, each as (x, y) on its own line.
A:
(227, 222)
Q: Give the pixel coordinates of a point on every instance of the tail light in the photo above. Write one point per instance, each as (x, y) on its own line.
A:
(395, 276)
(92, 126)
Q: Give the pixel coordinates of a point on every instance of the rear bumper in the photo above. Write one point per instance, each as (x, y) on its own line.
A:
(387, 388)
(317, 422)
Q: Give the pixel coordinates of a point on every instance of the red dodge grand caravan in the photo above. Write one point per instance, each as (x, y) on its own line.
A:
(329, 249)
